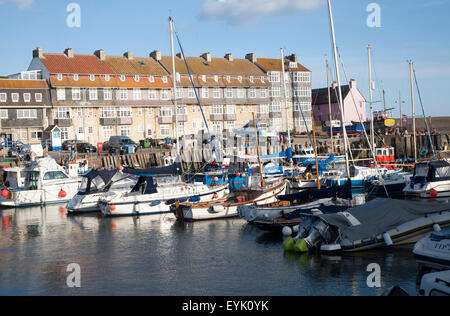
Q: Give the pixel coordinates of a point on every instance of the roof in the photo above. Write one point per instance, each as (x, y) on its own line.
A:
(272, 64)
(79, 64)
(114, 82)
(217, 66)
(23, 84)
(320, 96)
(142, 66)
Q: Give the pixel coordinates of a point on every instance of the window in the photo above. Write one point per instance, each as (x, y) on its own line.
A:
(3, 114)
(125, 112)
(191, 93)
(62, 113)
(252, 93)
(229, 93)
(165, 95)
(3, 97)
(275, 107)
(137, 95)
(15, 97)
(107, 132)
(26, 114)
(240, 93)
(305, 106)
(205, 93)
(137, 78)
(300, 122)
(107, 78)
(302, 92)
(123, 94)
(216, 78)
(274, 77)
(263, 93)
(240, 79)
(93, 95)
(302, 77)
(55, 175)
(140, 128)
(165, 112)
(122, 78)
(60, 77)
(178, 77)
(216, 93)
(64, 133)
(38, 97)
(80, 130)
(252, 79)
(80, 112)
(140, 113)
(164, 130)
(262, 79)
(92, 77)
(217, 109)
(277, 123)
(179, 93)
(27, 97)
(230, 126)
(286, 89)
(152, 95)
(230, 109)
(181, 110)
(204, 78)
(60, 94)
(91, 130)
(125, 131)
(36, 134)
(107, 94)
(164, 79)
(264, 108)
(151, 79)
(108, 112)
(181, 127)
(228, 78)
(75, 77)
(76, 94)
(275, 92)
(217, 127)
(149, 130)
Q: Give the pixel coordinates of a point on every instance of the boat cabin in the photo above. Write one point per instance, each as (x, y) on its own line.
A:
(385, 154)
(99, 180)
(14, 177)
(432, 172)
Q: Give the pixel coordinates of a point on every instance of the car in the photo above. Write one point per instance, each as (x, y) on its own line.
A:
(20, 150)
(70, 144)
(119, 144)
(85, 148)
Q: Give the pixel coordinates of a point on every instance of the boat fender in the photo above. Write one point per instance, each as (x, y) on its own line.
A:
(309, 176)
(295, 229)
(388, 240)
(436, 228)
(195, 199)
(155, 203)
(289, 244)
(287, 231)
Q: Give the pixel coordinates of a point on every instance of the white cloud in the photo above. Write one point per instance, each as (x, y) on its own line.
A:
(21, 4)
(245, 11)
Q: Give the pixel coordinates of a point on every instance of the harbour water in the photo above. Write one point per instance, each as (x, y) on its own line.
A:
(155, 255)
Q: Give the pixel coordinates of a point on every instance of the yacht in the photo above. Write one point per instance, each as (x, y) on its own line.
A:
(430, 180)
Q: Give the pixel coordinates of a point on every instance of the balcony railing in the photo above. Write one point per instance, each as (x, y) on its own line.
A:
(63, 122)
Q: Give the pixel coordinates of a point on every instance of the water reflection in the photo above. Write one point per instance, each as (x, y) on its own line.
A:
(156, 255)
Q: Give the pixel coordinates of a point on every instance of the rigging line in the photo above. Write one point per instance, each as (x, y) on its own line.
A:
(381, 84)
(423, 112)
(196, 94)
(372, 150)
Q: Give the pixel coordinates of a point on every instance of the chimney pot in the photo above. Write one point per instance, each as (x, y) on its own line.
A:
(229, 57)
(293, 58)
(156, 55)
(207, 57)
(37, 53)
(101, 54)
(352, 83)
(252, 58)
(128, 55)
(69, 53)
(334, 86)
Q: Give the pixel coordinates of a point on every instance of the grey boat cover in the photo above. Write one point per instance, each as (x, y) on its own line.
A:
(381, 215)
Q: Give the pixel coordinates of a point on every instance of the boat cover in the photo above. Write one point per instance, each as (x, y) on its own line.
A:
(343, 192)
(145, 185)
(432, 171)
(105, 175)
(379, 216)
(174, 169)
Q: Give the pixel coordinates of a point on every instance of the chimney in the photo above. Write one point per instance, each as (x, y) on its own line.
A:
(180, 55)
(69, 52)
(293, 58)
(37, 53)
(100, 54)
(128, 55)
(156, 55)
(207, 57)
(252, 58)
(352, 83)
(229, 57)
(334, 85)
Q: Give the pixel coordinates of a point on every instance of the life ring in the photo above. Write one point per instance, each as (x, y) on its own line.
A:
(309, 176)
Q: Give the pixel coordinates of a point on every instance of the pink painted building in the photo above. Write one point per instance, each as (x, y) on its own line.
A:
(354, 105)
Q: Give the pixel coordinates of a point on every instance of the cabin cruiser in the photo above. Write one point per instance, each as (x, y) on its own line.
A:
(304, 155)
(435, 284)
(98, 183)
(430, 180)
(46, 182)
(433, 251)
(391, 185)
(359, 176)
(378, 223)
(13, 177)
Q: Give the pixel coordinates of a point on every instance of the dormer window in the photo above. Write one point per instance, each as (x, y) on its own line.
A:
(178, 77)
(292, 65)
(262, 79)
(252, 79)
(240, 78)
(122, 78)
(60, 77)
(92, 77)
(164, 79)
(137, 78)
(107, 77)
(204, 78)
(75, 77)
(151, 79)
(228, 78)
(216, 78)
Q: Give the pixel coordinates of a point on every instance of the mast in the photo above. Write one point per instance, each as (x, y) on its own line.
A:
(344, 130)
(372, 128)
(400, 105)
(174, 80)
(258, 151)
(413, 111)
(315, 153)
(286, 102)
(329, 106)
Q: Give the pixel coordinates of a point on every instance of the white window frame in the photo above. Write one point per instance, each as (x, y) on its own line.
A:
(76, 94)
(15, 97)
(165, 95)
(137, 94)
(59, 77)
(107, 94)
(61, 94)
(27, 97)
(93, 94)
(38, 97)
(123, 94)
(164, 130)
(62, 112)
(152, 94)
(3, 97)
(26, 114)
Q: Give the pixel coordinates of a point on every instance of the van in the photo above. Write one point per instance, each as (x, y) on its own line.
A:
(119, 144)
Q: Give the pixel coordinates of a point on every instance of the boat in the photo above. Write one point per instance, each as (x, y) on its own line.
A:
(359, 176)
(97, 183)
(13, 177)
(391, 185)
(433, 251)
(435, 284)
(46, 183)
(378, 223)
(430, 180)
(194, 211)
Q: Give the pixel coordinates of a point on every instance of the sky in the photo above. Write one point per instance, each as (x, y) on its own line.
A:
(403, 30)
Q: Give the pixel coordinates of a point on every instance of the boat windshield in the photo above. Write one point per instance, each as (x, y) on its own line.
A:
(422, 171)
(92, 185)
(32, 180)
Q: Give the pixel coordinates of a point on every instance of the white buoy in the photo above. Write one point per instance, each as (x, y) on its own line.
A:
(437, 228)
(287, 231)
(387, 239)
(295, 229)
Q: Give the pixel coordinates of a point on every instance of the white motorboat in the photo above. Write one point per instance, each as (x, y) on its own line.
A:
(391, 185)
(433, 251)
(46, 183)
(435, 284)
(13, 177)
(98, 183)
(430, 180)
(191, 212)
(148, 197)
(359, 176)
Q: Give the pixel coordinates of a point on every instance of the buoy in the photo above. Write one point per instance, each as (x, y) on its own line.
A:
(287, 231)
(112, 208)
(288, 244)
(186, 187)
(121, 168)
(295, 229)
(436, 228)
(216, 179)
(433, 193)
(238, 174)
(5, 193)
(62, 193)
(215, 196)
